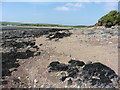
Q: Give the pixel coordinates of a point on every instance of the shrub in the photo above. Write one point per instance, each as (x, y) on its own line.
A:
(110, 19)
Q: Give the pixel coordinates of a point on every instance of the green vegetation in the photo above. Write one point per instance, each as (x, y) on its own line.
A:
(39, 24)
(9, 23)
(35, 24)
(110, 19)
(80, 26)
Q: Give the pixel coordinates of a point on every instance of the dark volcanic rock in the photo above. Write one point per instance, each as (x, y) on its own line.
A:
(76, 63)
(72, 72)
(20, 32)
(93, 74)
(58, 35)
(101, 73)
(56, 66)
(53, 64)
(63, 78)
(70, 82)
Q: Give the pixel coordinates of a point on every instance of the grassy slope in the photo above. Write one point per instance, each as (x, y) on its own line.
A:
(39, 24)
(110, 19)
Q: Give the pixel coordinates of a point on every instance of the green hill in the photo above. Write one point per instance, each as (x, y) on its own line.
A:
(110, 19)
(9, 23)
(39, 24)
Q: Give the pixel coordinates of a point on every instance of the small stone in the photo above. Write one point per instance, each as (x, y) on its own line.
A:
(70, 82)
(63, 78)
(110, 42)
(27, 77)
(66, 86)
(42, 86)
(19, 77)
(78, 87)
(40, 44)
(36, 53)
(35, 81)
(95, 77)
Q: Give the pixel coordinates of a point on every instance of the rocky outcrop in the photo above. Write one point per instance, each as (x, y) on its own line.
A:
(17, 32)
(92, 74)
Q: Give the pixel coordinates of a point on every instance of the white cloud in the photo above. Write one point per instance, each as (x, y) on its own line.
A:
(111, 6)
(69, 6)
(62, 8)
(74, 4)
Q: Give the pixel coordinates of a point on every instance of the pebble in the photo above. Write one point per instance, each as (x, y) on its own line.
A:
(19, 77)
(69, 82)
(36, 53)
(42, 86)
(35, 81)
(110, 42)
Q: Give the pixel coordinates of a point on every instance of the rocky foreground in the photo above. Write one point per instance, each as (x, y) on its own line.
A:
(90, 75)
(27, 52)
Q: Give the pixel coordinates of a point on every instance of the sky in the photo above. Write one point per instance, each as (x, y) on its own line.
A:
(64, 13)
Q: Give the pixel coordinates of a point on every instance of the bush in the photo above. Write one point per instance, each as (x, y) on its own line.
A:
(110, 19)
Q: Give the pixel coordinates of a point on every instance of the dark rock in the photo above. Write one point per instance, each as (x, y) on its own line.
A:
(56, 66)
(73, 72)
(95, 82)
(16, 80)
(29, 53)
(36, 47)
(58, 35)
(78, 81)
(70, 69)
(40, 44)
(61, 67)
(53, 64)
(76, 63)
(93, 74)
(31, 43)
(4, 82)
(101, 71)
(63, 78)
(85, 76)
(70, 82)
